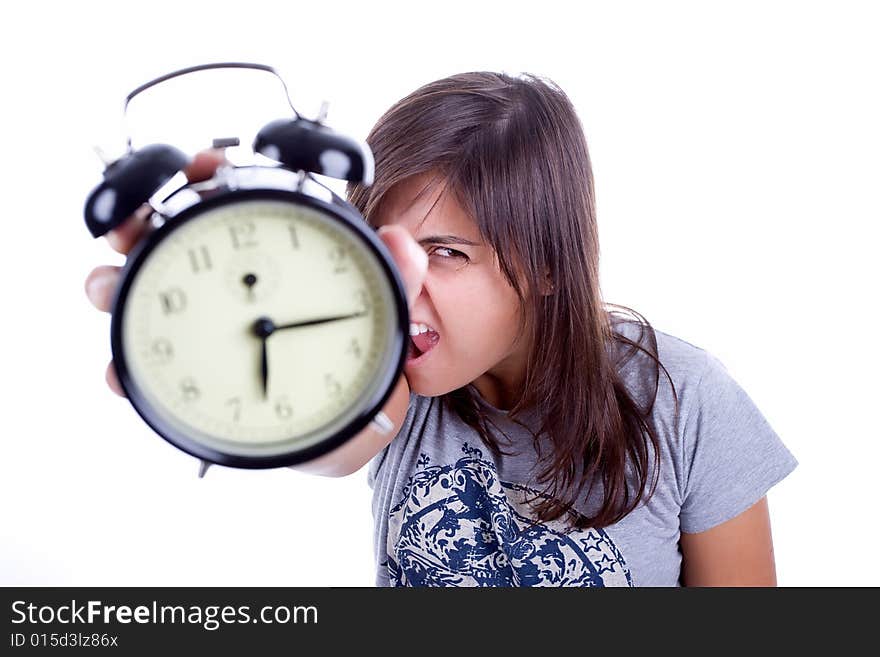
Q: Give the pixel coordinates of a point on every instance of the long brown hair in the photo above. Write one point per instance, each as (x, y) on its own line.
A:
(513, 152)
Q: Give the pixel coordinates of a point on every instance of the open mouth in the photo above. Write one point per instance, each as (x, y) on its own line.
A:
(422, 340)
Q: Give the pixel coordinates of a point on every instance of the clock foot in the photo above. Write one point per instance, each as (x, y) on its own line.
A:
(203, 468)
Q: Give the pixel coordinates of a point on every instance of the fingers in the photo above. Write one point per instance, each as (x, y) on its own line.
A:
(204, 164)
(113, 380)
(410, 258)
(100, 286)
(101, 283)
(126, 235)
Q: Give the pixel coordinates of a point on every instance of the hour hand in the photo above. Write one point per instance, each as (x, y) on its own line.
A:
(263, 328)
(264, 368)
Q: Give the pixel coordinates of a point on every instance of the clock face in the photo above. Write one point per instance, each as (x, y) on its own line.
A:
(259, 327)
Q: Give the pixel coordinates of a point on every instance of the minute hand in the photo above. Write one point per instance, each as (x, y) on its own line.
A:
(323, 320)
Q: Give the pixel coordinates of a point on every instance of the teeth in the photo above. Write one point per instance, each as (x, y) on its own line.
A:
(415, 329)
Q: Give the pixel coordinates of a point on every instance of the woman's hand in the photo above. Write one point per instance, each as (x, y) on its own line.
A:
(100, 284)
(102, 281)
(410, 258)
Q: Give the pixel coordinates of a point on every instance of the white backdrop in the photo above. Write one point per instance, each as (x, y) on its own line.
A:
(735, 151)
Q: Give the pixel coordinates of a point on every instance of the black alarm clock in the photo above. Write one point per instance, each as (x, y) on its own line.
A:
(263, 323)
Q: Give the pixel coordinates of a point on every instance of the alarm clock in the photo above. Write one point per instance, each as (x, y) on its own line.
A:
(263, 323)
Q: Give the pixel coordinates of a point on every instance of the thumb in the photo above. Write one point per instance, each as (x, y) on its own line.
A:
(410, 258)
(204, 164)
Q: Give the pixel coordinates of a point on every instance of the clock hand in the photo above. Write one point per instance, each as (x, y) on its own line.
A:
(323, 320)
(263, 328)
(265, 369)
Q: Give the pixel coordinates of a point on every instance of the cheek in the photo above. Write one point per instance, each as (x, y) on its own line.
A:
(481, 320)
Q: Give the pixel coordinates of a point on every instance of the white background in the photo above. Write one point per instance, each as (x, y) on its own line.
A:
(735, 149)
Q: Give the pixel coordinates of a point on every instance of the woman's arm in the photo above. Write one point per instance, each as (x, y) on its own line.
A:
(738, 552)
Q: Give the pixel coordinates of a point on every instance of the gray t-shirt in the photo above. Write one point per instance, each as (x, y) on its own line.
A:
(448, 512)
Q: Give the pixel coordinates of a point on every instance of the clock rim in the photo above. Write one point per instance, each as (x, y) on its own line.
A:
(350, 218)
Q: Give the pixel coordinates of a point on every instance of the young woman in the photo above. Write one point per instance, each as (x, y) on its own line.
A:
(535, 442)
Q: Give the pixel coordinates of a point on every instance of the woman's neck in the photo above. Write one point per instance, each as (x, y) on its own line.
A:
(501, 389)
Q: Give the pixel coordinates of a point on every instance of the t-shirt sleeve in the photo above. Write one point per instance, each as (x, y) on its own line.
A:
(374, 465)
(732, 455)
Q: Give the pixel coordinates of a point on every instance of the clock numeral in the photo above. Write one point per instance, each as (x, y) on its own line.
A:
(354, 347)
(235, 402)
(189, 389)
(283, 409)
(333, 386)
(199, 259)
(161, 351)
(293, 236)
(172, 301)
(242, 234)
(363, 301)
(338, 258)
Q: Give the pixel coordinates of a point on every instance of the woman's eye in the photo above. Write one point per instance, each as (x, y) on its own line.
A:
(447, 252)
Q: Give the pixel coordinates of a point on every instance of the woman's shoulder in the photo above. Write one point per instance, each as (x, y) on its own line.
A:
(722, 440)
(682, 360)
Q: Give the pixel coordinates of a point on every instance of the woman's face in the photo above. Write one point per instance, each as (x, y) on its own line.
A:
(465, 299)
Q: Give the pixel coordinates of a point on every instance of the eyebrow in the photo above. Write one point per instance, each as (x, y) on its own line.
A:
(446, 239)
